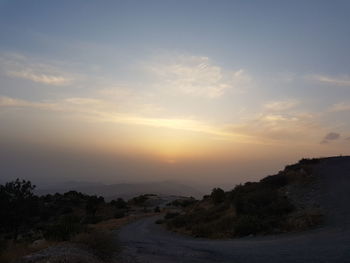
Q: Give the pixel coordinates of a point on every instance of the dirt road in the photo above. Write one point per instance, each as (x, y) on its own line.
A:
(144, 241)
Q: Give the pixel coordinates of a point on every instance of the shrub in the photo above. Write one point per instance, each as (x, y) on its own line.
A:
(119, 203)
(276, 181)
(182, 202)
(246, 225)
(101, 243)
(66, 228)
(140, 200)
(92, 204)
(217, 195)
(119, 214)
(18, 206)
(91, 219)
(304, 220)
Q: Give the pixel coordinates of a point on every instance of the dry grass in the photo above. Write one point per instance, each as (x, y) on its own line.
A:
(15, 251)
(101, 243)
(303, 220)
(99, 239)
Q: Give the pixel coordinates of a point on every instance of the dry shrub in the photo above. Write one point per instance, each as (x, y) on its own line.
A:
(101, 243)
(14, 251)
(305, 219)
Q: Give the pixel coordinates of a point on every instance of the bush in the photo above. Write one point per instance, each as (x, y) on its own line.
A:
(119, 203)
(276, 181)
(140, 200)
(182, 202)
(119, 214)
(91, 219)
(217, 195)
(66, 228)
(18, 205)
(101, 243)
(246, 225)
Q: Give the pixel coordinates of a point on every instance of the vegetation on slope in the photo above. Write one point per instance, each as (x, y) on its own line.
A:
(252, 208)
(30, 223)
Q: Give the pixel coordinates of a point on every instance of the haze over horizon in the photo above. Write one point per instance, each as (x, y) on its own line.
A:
(211, 93)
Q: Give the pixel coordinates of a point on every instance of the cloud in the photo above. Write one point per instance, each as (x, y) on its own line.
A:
(13, 102)
(196, 76)
(341, 106)
(103, 111)
(299, 127)
(281, 105)
(40, 77)
(32, 69)
(334, 80)
(330, 137)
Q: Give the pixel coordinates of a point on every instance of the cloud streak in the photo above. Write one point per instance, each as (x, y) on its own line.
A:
(281, 105)
(339, 107)
(38, 77)
(196, 76)
(102, 111)
(17, 66)
(343, 81)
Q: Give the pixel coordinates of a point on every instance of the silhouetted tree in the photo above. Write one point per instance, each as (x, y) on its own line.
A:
(119, 203)
(18, 204)
(92, 204)
(217, 195)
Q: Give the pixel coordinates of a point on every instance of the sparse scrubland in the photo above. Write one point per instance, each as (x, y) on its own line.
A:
(83, 225)
(29, 223)
(266, 207)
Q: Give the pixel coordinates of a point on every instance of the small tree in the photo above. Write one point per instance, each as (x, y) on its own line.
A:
(119, 203)
(92, 204)
(218, 195)
(18, 205)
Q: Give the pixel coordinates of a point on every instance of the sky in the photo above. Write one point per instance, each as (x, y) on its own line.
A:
(208, 92)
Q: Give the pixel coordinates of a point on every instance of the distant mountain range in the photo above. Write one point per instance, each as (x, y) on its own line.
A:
(124, 190)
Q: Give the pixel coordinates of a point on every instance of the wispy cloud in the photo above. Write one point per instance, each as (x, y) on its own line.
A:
(196, 76)
(14, 102)
(103, 111)
(334, 80)
(341, 106)
(281, 105)
(18, 66)
(40, 77)
(299, 127)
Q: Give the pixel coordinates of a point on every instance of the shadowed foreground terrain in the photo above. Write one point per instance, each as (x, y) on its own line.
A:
(145, 241)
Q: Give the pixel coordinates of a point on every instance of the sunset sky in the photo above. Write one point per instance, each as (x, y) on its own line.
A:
(209, 92)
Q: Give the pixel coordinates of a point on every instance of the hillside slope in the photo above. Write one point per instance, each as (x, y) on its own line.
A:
(285, 202)
(145, 241)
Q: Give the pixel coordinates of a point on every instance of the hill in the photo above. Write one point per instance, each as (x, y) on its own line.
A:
(295, 199)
